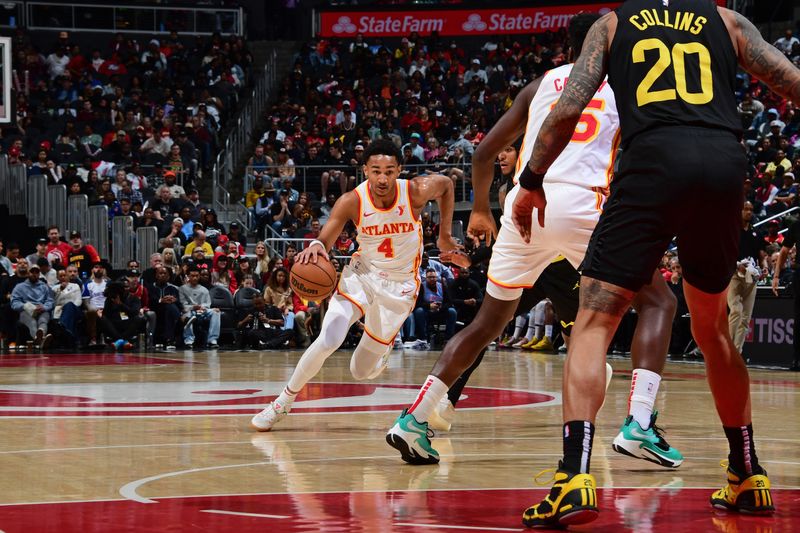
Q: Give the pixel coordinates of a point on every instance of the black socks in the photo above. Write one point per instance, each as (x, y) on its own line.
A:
(578, 437)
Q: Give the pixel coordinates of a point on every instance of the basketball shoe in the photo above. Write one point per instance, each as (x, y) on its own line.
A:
(533, 342)
(270, 416)
(750, 495)
(442, 417)
(413, 440)
(572, 501)
(544, 345)
(648, 444)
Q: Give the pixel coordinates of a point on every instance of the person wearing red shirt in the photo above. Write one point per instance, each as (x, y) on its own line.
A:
(83, 256)
(57, 250)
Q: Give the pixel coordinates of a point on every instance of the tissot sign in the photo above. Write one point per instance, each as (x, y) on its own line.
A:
(463, 22)
(453, 22)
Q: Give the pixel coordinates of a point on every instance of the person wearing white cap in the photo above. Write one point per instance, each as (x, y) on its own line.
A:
(475, 72)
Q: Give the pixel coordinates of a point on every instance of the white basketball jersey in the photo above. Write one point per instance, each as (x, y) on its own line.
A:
(588, 159)
(389, 240)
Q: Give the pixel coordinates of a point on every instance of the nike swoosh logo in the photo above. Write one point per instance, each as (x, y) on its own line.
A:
(403, 293)
(636, 433)
(368, 214)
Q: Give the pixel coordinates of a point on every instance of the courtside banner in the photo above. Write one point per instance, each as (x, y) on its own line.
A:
(463, 22)
(453, 22)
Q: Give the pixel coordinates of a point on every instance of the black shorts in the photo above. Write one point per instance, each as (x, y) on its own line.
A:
(559, 282)
(684, 182)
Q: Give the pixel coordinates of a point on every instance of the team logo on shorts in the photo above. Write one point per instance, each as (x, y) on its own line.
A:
(234, 398)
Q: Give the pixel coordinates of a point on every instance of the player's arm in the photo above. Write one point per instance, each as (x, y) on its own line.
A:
(559, 126)
(505, 131)
(439, 188)
(345, 209)
(760, 58)
(776, 276)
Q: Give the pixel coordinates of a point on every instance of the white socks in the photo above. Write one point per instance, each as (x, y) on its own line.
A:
(428, 399)
(644, 387)
(285, 400)
(548, 331)
(519, 326)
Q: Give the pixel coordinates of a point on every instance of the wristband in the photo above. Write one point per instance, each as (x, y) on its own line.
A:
(316, 241)
(530, 180)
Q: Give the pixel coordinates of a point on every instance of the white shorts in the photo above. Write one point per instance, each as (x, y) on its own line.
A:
(570, 218)
(385, 303)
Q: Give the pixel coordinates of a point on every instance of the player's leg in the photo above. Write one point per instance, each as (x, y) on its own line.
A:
(369, 358)
(639, 436)
(545, 342)
(341, 314)
(409, 435)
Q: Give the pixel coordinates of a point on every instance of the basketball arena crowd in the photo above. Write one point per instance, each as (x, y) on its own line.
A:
(136, 125)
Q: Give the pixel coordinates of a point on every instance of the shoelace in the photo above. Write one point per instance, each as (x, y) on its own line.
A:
(550, 471)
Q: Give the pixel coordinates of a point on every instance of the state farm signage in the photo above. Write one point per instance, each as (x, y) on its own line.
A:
(453, 22)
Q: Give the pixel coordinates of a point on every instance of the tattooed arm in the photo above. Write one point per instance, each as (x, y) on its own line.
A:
(760, 58)
(584, 80)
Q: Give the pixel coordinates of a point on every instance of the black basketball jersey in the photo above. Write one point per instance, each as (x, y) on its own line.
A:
(672, 63)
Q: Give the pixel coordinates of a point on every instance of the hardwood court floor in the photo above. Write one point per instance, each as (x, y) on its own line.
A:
(160, 442)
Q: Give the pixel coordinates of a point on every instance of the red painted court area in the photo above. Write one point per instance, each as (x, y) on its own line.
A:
(628, 510)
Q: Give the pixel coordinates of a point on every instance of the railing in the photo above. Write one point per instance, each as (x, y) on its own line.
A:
(305, 174)
(241, 137)
(775, 217)
(134, 18)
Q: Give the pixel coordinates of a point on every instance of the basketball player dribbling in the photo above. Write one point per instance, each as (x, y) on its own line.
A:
(577, 182)
(672, 64)
(382, 279)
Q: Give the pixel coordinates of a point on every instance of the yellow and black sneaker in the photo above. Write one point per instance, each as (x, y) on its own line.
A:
(748, 495)
(572, 501)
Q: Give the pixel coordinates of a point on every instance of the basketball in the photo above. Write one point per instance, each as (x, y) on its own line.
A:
(313, 281)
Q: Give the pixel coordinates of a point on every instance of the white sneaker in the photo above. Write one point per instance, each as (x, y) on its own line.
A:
(383, 362)
(422, 346)
(267, 418)
(442, 417)
(398, 343)
(520, 342)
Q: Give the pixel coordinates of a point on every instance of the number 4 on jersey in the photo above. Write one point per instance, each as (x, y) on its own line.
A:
(386, 248)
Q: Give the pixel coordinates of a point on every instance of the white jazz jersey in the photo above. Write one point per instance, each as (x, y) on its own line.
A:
(389, 240)
(588, 159)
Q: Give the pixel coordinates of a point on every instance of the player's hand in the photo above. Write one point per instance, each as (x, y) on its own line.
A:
(522, 210)
(482, 226)
(310, 254)
(775, 283)
(456, 257)
(447, 243)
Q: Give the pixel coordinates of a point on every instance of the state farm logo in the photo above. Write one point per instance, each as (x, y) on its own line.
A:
(474, 23)
(344, 25)
(234, 398)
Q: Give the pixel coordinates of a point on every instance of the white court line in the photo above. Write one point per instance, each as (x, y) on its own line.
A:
(440, 526)
(255, 515)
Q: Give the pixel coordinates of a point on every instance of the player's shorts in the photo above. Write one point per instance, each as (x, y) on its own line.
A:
(570, 217)
(560, 283)
(684, 182)
(384, 299)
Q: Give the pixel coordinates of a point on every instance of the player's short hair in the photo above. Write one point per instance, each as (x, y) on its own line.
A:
(383, 147)
(578, 28)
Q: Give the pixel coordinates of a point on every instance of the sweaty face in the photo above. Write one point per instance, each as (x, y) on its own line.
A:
(382, 172)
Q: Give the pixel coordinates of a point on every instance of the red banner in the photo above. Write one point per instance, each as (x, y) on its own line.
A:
(465, 22)
(453, 22)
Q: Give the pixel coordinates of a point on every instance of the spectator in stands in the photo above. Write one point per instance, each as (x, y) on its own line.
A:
(773, 236)
(466, 295)
(433, 304)
(5, 263)
(94, 299)
(279, 293)
(196, 302)
(193, 201)
(176, 191)
(414, 144)
(780, 161)
(67, 302)
(786, 196)
(442, 272)
(8, 317)
(80, 255)
(235, 234)
(280, 217)
(222, 273)
(157, 144)
(264, 264)
(285, 166)
(33, 300)
(344, 244)
(457, 140)
(13, 255)
(262, 326)
(148, 220)
(121, 319)
(475, 72)
(253, 195)
(41, 252)
(166, 305)
(188, 223)
(787, 42)
(259, 163)
(326, 208)
(294, 194)
(47, 272)
(57, 250)
(198, 242)
(165, 205)
(314, 229)
(410, 160)
(149, 274)
(130, 194)
(302, 211)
